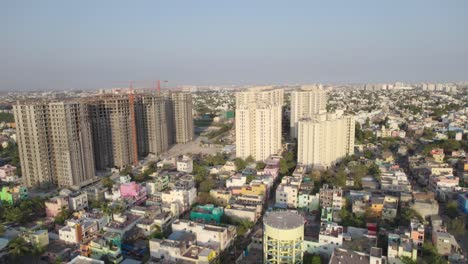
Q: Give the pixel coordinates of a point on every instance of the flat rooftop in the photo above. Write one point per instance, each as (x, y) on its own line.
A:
(284, 220)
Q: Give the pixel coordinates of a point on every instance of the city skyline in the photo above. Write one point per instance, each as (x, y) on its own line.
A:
(88, 45)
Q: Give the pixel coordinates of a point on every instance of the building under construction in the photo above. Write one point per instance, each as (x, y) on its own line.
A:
(64, 142)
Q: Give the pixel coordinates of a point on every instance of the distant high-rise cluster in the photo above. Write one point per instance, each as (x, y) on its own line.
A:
(258, 122)
(307, 101)
(325, 138)
(64, 142)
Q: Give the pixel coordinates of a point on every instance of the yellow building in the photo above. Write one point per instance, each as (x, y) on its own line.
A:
(377, 205)
(283, 236)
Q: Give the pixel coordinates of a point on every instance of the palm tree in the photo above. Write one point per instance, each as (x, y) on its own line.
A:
(18, 247)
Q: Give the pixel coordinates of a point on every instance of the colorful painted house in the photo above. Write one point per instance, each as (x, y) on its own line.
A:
(463, 202)
(207, 213)
(133, 191)
(12, 195)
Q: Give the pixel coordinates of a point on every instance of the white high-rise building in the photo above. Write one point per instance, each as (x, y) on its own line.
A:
(258, 122)
(325, 138)
(309, 100)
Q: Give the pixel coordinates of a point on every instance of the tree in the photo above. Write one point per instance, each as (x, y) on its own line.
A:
(107, 182)
(408, 260)
(451, 209)
(243, 225)
(315, 176)
(249, 159)
(374, 170)
(62, 216)
(368, 154)
(340, 178)
(260, 165)
(240, 164)
(18, 247)
(206, 198)
(207, 185)
(126, 171)
(430, 254)
(406, 215)
(312, 259)
(457, 226)
(2, 230)
(249, 178)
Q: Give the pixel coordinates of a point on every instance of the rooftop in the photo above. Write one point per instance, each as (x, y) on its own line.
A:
(284, 220)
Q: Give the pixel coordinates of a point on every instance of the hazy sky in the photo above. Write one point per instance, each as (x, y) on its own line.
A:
(98, 44)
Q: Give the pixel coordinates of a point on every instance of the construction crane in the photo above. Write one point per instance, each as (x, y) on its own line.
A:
(131, 100)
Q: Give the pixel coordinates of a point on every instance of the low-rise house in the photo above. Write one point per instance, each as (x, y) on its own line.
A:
(122, 223)
(222, 197)
(78, 201)
(55, 205)
(248, 212)
(78, 230)
(99, 248)
(134, 192)
(346, 256)
(252, 189)
(287, 192)
(212, 236)
(250, 199)
(37, 238)
(330, 237)
(307, 201)
(12, 195)
(377, 204)
(445, 243)
(369, 183)
(396, 181)
(7, 171)
(237, 180)
(438, 155)
(184, 197)
(185, 164)
(158, 183)
(390, 208)
(417, 233)
(425, 204)
(400, 246)
(180, 250)
(206, 213)
(331, 197)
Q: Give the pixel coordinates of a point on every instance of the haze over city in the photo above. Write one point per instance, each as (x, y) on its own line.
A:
(60, 45)
(243, 132)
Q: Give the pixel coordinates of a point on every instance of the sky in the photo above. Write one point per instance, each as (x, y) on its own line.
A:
(60, 45)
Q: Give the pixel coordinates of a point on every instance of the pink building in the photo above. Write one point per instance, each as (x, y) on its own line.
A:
(7, 171)
(133, 191)
(55, 205)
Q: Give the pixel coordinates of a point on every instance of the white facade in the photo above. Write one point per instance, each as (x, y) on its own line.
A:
(258, 122)
(184, 197)
(206, 234)
(323, 139)
(287, 192)
(78, 202)
(185, 165)
(236, 181)
(307, 101)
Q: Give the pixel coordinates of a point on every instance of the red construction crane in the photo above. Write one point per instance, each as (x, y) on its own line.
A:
(131, 100)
